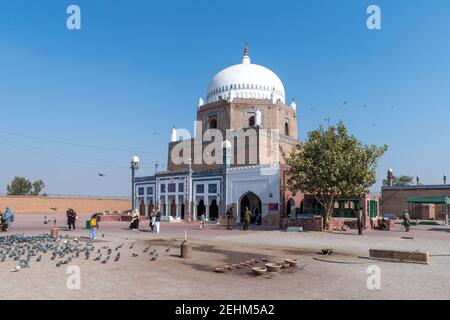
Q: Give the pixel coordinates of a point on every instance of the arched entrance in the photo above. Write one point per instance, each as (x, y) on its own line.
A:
(173, 209)
(213, 210)
(182, 211)
(251, 201)
(142, 208)
(201, 209)
(290, 208)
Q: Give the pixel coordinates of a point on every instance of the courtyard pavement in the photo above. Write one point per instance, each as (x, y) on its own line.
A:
(342, 276)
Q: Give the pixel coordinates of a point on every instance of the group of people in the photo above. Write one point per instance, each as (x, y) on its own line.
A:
(6, 219)
(247, 217)
(155, 220)
(384, 223)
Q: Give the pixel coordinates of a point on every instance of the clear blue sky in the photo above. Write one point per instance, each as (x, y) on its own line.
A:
(136, 68)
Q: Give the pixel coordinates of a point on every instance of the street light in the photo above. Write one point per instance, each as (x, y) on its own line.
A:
(134, 167)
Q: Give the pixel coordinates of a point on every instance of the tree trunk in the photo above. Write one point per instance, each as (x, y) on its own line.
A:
(328, 216)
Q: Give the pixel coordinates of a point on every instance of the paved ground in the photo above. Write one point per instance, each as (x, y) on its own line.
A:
(171, 277)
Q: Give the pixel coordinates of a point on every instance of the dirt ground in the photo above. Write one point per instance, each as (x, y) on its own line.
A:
(342, 275)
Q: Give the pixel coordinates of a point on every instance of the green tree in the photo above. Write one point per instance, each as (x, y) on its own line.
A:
(332, 164)
(38, 185)
(400, 181)
(21, 187)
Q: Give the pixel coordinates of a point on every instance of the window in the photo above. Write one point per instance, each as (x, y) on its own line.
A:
(181, 187)
(163, 188)
(141, 191)
(251, 121)
(212, 123)
(286, 128)
(171, 187)
(200, 188)
(212, 188)
(149, 190)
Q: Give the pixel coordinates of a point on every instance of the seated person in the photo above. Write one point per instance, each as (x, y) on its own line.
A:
(384, 225)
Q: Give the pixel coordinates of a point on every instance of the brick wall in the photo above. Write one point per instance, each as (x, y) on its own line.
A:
(308, 224)
(394, 199)
(26, 204)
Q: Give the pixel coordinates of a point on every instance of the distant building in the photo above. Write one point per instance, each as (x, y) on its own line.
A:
(394, 199)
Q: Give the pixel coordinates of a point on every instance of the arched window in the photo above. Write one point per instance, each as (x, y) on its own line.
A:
(286, 128)
(251, 121)
(213, 124)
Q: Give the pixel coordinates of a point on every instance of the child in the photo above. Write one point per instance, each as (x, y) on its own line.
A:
(93, 227)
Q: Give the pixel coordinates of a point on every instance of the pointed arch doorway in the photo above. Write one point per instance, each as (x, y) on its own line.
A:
(251, 201)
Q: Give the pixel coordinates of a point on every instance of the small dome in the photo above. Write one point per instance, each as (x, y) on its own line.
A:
(245, 80)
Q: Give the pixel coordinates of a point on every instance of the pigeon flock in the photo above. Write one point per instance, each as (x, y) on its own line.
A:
(32, 249)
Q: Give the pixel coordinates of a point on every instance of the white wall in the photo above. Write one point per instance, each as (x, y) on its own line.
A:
(262, 180)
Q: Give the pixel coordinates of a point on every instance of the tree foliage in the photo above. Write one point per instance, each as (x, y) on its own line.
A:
(21, 187)
(332, 164)
(400, 181)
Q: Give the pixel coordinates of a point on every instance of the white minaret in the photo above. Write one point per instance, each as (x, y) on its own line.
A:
(258, 120)
(173, 137)
(200, 102)
(294, 105)
(274, 99)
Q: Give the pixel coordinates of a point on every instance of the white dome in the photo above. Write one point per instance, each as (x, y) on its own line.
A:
(245, 80)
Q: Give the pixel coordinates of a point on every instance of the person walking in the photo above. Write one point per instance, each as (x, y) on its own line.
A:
(229, 215)
(152, 221)
(157, 220)
(406, 220)
(8, 217)
(360, 220)
(134, 225)
(72, 217)
(247, 218)
(68, 217)
(93, 225)
(202, 221)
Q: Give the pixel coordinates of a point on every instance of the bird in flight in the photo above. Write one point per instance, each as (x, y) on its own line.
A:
(344, 103)
(101, 175)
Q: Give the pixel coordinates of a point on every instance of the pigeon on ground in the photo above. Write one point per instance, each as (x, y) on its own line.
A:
(39, 258)
(154, 258)
(135, 254)
(106, 259)
(98, 258)
(16, 269)
(131, 247)
(117, 257)
(168, 249)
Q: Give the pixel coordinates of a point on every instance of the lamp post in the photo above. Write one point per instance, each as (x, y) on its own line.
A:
(134, 167)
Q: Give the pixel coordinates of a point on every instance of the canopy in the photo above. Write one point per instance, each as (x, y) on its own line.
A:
(433, 200)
